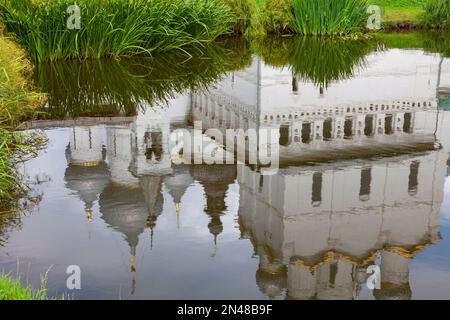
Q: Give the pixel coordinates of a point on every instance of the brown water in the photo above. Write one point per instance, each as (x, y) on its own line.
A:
(364, 151)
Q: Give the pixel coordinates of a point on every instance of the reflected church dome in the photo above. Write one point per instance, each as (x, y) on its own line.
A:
(271, 285)
(177, 183)
(87, 180)
(130, 211)
(215, 180)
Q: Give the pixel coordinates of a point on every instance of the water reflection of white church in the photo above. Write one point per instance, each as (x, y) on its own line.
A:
(314, 228)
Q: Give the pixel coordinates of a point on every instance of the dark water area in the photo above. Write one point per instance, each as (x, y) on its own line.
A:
(363, 139)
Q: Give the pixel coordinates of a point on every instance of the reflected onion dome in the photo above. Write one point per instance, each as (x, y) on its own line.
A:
(130, 211)
(125, 210)
(215, 180)
(87, 182)
(151, 190)
(177, 183)
(271, 284)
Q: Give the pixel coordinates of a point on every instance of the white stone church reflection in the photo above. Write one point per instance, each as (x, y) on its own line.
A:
(315, 228)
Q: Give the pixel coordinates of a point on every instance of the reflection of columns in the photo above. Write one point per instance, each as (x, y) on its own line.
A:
(360, 124)
(86, 146)
(318, 130)
(394, 277)
(296, 130)
(399, 119)
(379, 123)
(394, 268)
(119, 155)
(301, 282)
(150, 138)
(338, 127)
(335, 280)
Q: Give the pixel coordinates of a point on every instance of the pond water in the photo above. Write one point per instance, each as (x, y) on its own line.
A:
(363, 138)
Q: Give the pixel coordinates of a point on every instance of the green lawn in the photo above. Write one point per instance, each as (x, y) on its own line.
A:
(398, 11)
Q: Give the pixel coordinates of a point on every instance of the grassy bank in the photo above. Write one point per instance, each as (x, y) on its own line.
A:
(333, 17)
(17, 102)
(143, 27)
(305, 17)
(397, 12)
(11, 288)
(432, 14)
(113, 27)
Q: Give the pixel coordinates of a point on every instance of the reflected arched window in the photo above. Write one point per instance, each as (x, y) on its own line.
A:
(153, 141)
(317, 189)
(284, 135)
(294, 85)
(348, 128)
(388, 124)
(407, 123)
(333, 273)
(413, 182)
(306, 132)
(368, 129)
(366, 180)
(327, 129)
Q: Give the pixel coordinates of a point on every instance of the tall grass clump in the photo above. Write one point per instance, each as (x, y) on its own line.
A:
(260, 17)
(17, 103)
(329, 17)
(113, 27)
(242, 11)
(11, 288)
(437, 13)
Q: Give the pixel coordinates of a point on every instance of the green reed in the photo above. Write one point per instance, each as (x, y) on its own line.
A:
(113, 27)
(313, 59)
(437, 13)
(329, 17)
(108, 87)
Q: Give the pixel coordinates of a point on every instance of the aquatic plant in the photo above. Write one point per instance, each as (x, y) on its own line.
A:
(271, 17)
(112, 88)
(329, 17)
(113, 27)
(437, 13)
(322, 61)
(242, 11)
(313, 59)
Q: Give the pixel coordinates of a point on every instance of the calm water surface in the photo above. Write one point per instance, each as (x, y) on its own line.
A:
(364, 149)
